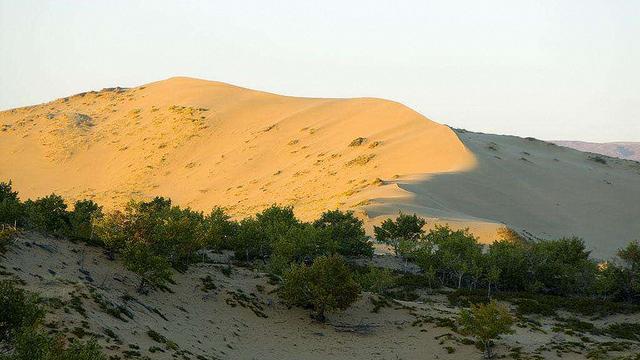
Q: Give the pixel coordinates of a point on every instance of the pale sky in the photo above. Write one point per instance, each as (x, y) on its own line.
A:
(565, 69)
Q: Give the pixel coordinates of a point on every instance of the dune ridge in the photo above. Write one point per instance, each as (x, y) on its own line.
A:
(205, 143)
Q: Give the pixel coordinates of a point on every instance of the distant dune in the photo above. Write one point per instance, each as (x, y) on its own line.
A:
(205, 143)
(622, 150)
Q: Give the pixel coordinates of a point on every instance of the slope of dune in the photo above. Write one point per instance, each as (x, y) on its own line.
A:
(538, 188)
(622, 150)
(205, 143)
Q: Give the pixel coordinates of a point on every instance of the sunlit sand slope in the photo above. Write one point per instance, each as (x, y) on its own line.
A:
(205, 143)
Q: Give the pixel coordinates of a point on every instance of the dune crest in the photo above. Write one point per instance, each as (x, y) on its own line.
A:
(205, 143)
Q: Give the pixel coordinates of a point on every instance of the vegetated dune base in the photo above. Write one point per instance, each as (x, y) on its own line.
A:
(538, 188)
(242, 319)
(205, 143)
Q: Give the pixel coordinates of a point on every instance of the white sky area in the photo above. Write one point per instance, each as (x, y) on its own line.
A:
(566, 69)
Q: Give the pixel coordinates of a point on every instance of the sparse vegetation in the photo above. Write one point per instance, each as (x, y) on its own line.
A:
(486, 322)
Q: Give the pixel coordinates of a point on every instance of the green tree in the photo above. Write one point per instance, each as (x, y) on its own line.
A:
(154, 270)
(459, 253)
(81, 220)
(11, 209)
(486, 322)
(304, 242)
(511, 260)
(113, 230)
(176, 235)
(562, 266)
(326, 285)
(218, 229)
(347, 231)
(404, 228)
(48, 214)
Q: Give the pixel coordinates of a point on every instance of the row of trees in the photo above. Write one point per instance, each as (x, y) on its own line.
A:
(563, 266)
(151, 237)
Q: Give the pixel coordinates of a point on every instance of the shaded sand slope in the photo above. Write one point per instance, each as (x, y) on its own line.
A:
(206, 143)
(536, 187)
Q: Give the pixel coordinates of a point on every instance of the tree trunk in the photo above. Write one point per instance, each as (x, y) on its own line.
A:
(460, 275)
(488, 353)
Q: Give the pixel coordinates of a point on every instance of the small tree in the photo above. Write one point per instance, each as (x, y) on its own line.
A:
(404, 228)
(11, 209)
(154, 270)
(347, 231)
(325, 285)
(218, 229)
(113, 230)
(48, 214)
(81, 220)
(486, 322)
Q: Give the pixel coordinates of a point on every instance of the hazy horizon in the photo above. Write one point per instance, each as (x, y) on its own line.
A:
(554, 71)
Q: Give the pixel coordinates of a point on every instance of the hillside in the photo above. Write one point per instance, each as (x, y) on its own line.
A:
(210, 313)
(205, 143)
(622, 150)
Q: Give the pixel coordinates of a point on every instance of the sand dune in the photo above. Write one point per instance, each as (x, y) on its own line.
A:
(205, 143)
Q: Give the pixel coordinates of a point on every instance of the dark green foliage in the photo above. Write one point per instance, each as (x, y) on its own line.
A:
(511, 258)
(375, 279)
(486, 322)
(324, 286)
(347, 231)
(48, 214)
(31, 344)
(81, 220)
(218, 229)
(154, 270)
(18, 309)
(561, 266)
(404, 228)
(629, 331)
(7, 235)
(302, 242)
(11, 209)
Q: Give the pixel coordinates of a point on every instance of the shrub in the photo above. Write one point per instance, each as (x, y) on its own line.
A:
(218, 229)
(48, 214)
(303, 242)
(486, 322)
(326, 285)
(375, 279)
(18, 310)
(34, 345)
(11, 210)
(347, 231)
(7, 234)
(154, 270)
(81, 220)
(458, 254)
(405, 227)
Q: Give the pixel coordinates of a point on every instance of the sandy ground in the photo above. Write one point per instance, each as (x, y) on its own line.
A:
(536, 187)
(205, 143)
(243, 319)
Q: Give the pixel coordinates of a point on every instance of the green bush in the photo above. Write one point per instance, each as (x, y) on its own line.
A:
(218, 229)
(18, 309)
(7, 235)
(375, 279)
(486, 322)
(48, 214)
(154, 270)
(81, 220)
(31, 344)
(405, 227)
(11, 209)
(326, 285)
(347, 231)
(303, 242)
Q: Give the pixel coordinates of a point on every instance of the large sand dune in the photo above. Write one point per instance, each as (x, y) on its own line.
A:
(206, 143)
